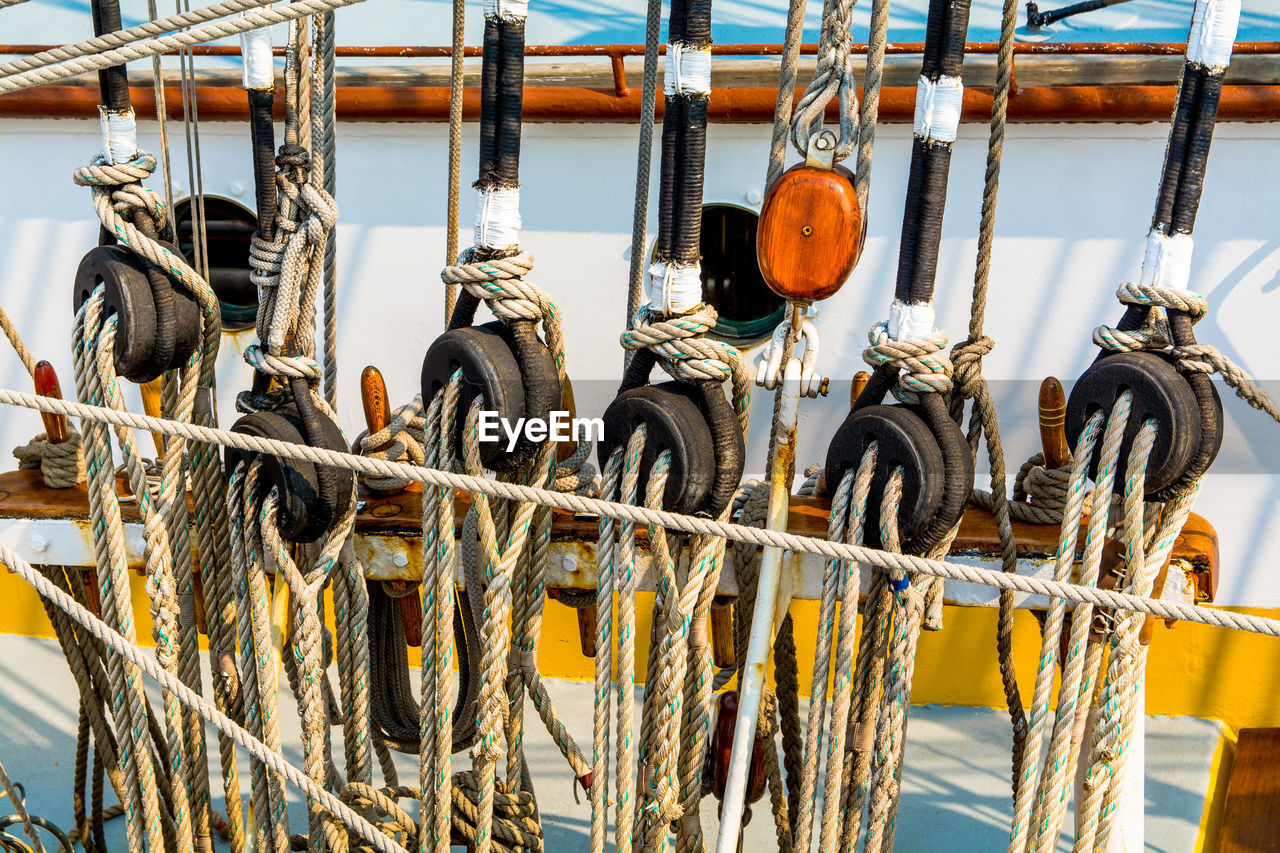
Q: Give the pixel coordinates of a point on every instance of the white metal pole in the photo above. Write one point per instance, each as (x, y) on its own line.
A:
(767, 607)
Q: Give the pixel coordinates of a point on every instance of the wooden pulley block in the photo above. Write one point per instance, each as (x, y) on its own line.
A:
(810, 233)
(674, 422)
(1161, 393)
(903, 440)
(516, 377)
(309, 502)
(722, 748)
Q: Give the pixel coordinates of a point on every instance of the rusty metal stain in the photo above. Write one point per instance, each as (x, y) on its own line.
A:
(390, 557)
(135, 559)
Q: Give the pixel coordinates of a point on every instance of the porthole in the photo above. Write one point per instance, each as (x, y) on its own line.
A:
(731, 279)
(229, 227)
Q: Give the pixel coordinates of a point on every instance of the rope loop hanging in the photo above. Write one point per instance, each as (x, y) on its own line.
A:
(833, 79)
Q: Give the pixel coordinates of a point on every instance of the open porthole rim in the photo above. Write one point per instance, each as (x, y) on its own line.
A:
(236, 316)
(742, 333)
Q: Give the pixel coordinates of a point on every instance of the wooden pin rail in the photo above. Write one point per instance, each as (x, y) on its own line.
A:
(51, 527)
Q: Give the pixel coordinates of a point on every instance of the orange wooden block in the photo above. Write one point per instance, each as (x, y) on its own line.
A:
(810, 232)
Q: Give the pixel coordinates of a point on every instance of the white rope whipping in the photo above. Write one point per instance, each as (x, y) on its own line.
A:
(938, 106)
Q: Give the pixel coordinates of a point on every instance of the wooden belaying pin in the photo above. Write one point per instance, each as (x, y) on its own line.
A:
(566, 449)
(151, 392)
(373, 397)
(46, 382)
(810, 232)
(723, 653)
(377, 411)
(860, 380)
(1053, 417)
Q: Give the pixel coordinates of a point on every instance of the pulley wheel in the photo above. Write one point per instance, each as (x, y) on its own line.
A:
(674, 422)
(304, 515)
(186, 318)
(1159, 392)
(489, 370)
(540, 379)
(903, 440)
(126, 294)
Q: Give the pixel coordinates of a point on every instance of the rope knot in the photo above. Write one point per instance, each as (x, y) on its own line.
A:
(923, 367)
(61, 465)
(400, 440)
(500, 283)
(966, 363)
(293, 155)
(291, 366)
(681, 342)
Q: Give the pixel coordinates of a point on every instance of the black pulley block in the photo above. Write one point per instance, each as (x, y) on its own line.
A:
(1161, 393)
(186, 319)
(903, 441)
(674, 422)
(728, 441)
(127, 294)
(311, 497)
(157, 322)
(516, 377)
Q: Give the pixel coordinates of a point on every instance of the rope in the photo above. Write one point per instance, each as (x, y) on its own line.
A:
(642, 515)
(1190, 358)
(60, 465)
(687, 355)
(20, 806)
(134, 655)
(456, 79)
(967, 358)
(786, 90)
(97, 58)
(119, 38)
(832, 78)
(644, 160)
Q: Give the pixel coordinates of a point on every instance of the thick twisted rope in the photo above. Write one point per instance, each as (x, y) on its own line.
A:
(128, 35)
(60, 465)
(641, 515)
(143, 48)
(922, 365)
(687, 354)
(132, 653)
(1194, 358)
(833, 77)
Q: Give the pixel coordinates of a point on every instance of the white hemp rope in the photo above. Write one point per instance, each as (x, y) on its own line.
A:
(152, 47)
(120, 38)
(136, 656)
(664, 518)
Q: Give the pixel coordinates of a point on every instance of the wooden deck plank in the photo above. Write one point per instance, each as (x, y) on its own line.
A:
(1251, 815)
